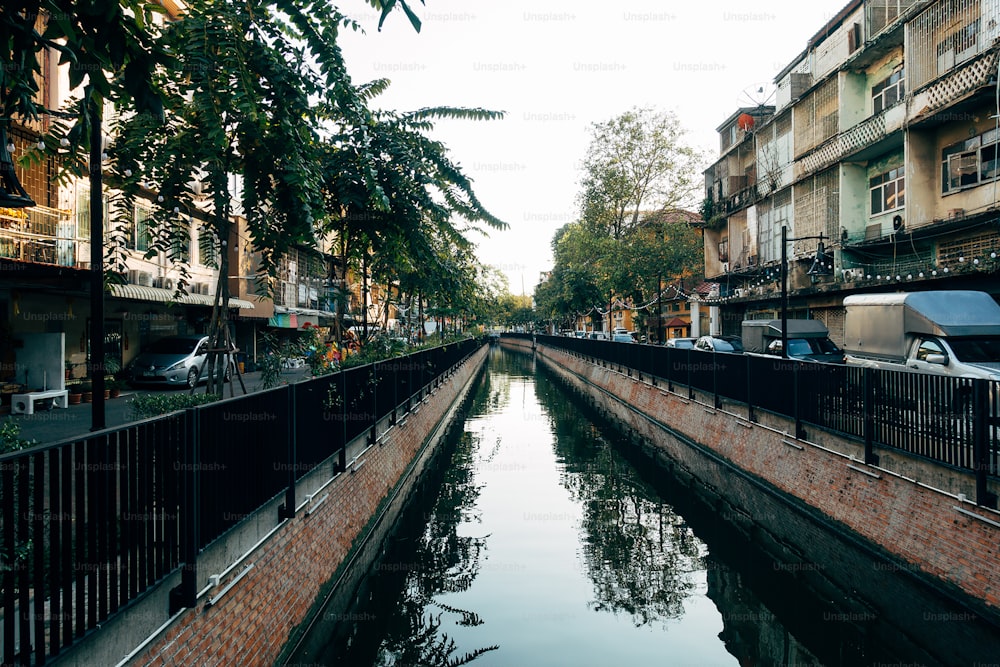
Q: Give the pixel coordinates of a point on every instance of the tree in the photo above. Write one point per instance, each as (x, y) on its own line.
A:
(636, 162)
(241, 103)
(396, 202)
(637, 173)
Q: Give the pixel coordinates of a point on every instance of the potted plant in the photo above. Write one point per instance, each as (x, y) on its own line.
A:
(111, 369)
(87, 390)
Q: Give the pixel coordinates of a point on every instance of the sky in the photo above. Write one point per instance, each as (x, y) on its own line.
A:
(557, 67)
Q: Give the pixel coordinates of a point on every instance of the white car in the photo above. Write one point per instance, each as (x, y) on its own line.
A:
(179, 361)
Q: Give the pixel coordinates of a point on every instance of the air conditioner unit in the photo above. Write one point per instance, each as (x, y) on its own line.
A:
(725, 267)
(143, 278)
(168, 283)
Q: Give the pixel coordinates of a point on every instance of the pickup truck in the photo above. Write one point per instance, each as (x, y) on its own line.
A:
(808, 340)
(944, 332)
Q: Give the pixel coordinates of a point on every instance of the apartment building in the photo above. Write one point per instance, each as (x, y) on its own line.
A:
(880, 144)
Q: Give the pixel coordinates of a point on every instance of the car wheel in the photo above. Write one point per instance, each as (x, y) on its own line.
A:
(192, 379)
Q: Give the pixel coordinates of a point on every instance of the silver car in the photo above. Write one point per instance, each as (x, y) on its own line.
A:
(179, 361)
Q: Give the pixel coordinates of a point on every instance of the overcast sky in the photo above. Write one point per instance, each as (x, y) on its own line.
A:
(555, 68)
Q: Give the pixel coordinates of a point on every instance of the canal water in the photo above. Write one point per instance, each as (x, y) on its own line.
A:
(542, 538)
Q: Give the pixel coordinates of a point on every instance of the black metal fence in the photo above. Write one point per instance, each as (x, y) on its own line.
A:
(949, 420)
(89, 525)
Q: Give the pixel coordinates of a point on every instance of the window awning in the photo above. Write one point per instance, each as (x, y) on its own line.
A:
(143, 293)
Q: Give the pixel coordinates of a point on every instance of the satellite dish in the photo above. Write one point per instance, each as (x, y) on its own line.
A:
(760, 94)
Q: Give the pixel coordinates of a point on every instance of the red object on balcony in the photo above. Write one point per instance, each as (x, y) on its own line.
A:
(744, 122)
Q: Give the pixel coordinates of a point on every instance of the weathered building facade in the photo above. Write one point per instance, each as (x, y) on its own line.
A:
(880, 142)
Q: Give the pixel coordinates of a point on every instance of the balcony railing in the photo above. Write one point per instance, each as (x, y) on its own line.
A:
(866, 133)
(38, 234)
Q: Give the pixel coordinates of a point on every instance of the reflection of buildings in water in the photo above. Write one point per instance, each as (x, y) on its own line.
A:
(751, 632)
(813, 592)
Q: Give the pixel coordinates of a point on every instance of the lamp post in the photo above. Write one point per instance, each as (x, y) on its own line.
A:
(818, 268)
(661, 336)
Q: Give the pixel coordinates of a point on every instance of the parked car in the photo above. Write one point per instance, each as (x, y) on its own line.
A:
(807, 340)
(681, 343)
(720, 344)
(179, 361)
(619, 337)
(598, 335)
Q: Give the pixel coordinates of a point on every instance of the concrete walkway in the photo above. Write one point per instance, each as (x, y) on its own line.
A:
(59, 424)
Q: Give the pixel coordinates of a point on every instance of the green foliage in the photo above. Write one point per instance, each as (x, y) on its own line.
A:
(637, 162)
(144, 406)
(632, 233)
(10, 437)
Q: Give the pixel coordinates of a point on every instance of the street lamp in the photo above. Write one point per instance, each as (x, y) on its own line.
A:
(821, 266)
(12, 193)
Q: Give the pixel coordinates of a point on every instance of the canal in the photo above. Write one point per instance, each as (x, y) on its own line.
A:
(543, 538)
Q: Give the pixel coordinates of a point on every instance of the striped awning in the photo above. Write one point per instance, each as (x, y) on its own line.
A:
(143, 293)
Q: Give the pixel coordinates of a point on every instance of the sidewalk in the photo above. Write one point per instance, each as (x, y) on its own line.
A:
(74, 421)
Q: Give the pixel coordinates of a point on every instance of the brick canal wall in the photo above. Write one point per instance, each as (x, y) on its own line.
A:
(279, 571)
(919, 524)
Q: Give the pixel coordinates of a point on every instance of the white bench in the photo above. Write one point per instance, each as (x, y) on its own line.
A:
(24, 404)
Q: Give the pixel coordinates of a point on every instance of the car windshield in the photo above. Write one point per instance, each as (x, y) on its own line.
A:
(723, 345)
(976, 350)
(682, 344)
(799, 347)
(172, 346)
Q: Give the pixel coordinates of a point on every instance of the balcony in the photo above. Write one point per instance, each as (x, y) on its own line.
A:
(38, 234)
(852, 142)
(951, 88)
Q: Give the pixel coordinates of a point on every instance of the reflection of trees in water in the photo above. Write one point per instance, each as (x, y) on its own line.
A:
(639, 553)
(427, 646)
(443, 562)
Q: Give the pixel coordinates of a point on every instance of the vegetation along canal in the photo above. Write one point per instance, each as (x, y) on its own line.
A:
(545, 538)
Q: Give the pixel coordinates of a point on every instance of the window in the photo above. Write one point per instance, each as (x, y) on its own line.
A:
(928, 346)
(957, 47)
(724, 250)
(141, 228)
(888, 92)
(180, 244)
(968, 163)
(888, 191)
(208, 254)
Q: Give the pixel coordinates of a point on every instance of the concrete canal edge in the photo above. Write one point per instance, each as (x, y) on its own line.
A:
(262, 584)
(911, 515)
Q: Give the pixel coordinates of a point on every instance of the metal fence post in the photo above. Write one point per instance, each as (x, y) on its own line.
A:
(800, 432)
(868, 413)
(186, 594)
(287, 511)
(980, 442)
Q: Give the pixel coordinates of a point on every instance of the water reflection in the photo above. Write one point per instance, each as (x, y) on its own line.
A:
(541, 541)
(639, 554)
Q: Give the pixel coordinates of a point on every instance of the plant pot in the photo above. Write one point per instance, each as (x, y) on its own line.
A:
(74, 399)
(107, 394)
(88, 397)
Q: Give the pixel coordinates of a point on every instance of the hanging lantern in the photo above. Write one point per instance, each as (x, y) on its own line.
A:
(12, 193)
